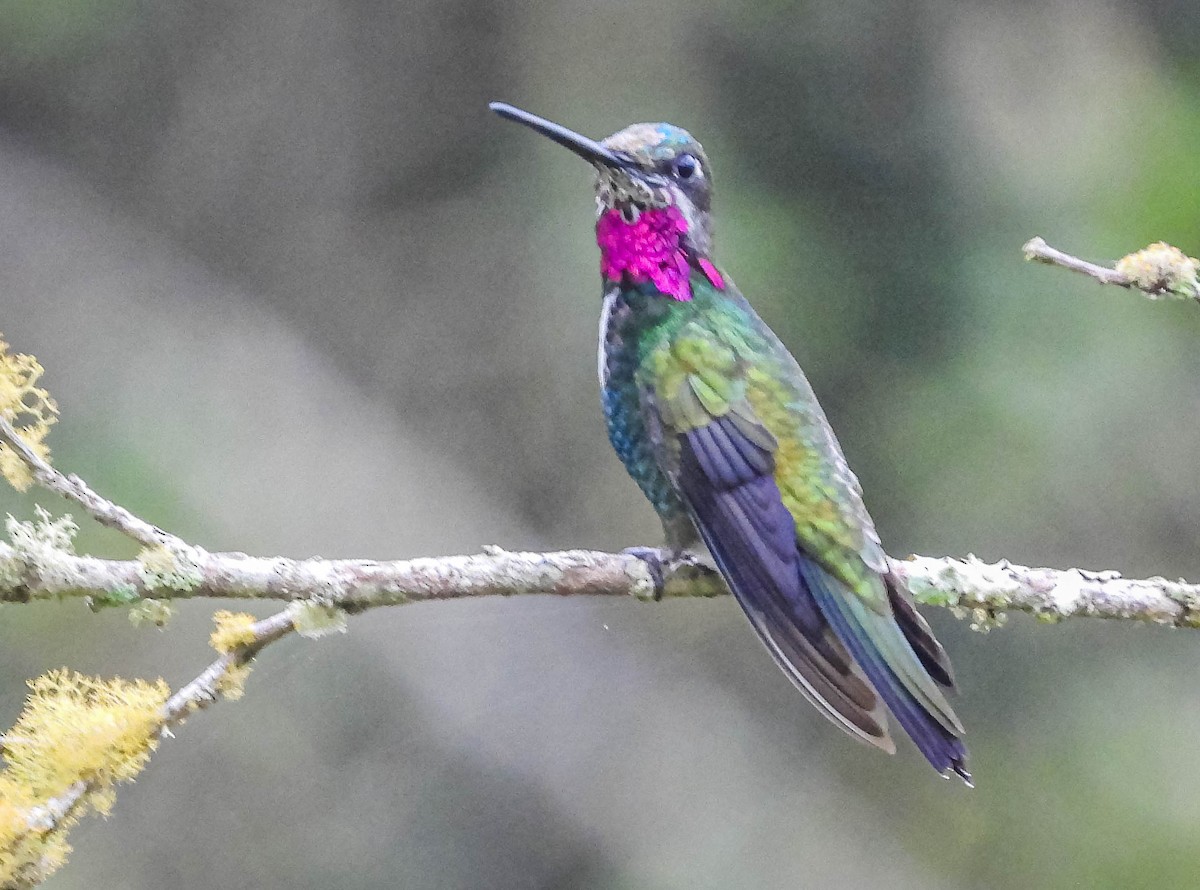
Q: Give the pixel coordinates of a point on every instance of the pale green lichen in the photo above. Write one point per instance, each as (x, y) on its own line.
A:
(688, 575)
(12, 568)
(40, 545)
(643, 585)
(314, 619)
(932, 595)
(984, 619)
(1162, 271)
(43, 536)
(151, 611)
(120, 595)
(1184, 595)
(944, 590)
(971, 589)
(169, 568)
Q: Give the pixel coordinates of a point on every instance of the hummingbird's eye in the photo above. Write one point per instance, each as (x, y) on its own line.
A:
(686, 166)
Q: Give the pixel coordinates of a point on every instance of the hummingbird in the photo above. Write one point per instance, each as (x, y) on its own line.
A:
(716, 423)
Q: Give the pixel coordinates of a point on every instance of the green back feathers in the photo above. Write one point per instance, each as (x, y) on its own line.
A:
(713, 358)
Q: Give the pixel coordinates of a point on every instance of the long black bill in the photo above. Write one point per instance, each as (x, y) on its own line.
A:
(588, 149)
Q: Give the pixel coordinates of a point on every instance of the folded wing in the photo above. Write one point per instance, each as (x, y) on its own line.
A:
(807, 570)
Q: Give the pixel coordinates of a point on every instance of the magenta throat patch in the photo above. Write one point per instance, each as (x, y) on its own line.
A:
(650, 249)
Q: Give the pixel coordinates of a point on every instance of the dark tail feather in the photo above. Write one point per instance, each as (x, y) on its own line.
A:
(943, 749)
(920, 637)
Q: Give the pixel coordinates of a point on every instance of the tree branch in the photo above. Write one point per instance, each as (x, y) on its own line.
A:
(969, 587)
(205, 689)
(1037, 250)
(356, 585)
(1050, 595)
(75, 489)
(50, 572)
(1159, 271)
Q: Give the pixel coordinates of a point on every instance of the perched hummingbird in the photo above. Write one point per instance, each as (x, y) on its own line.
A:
(717, 424)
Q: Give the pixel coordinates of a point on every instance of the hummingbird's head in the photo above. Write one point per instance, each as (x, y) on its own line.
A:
(653, 199)
(666, 168)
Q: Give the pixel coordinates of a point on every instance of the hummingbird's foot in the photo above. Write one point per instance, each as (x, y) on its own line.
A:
(656, 561)
(668, 563)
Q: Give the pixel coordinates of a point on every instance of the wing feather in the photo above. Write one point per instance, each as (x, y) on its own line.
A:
(726, 480)
(740, 435)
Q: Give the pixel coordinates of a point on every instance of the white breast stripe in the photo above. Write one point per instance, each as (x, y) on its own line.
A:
(610, 300)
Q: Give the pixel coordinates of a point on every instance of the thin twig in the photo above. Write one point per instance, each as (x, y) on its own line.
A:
(75, 489)
(1159, 270)
(201, 692)
(206, 687)
(1037, 250)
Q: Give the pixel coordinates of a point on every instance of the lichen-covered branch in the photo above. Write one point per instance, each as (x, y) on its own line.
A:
(39, 564)
(221, 678)
(971, 588)
(1160, 271)
(981, 591)
(75, 489)
(356, 585)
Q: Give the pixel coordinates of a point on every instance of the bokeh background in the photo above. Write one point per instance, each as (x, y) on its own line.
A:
(298, 293)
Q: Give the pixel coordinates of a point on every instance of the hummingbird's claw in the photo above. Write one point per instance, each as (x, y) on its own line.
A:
(653, 557)
(664, 563)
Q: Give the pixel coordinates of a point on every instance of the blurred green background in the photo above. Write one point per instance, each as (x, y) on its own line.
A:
(298, 293)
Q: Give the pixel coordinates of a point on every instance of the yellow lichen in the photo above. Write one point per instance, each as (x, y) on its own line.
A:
(234, 629)
(14, 819)
(73, 729)
(28, 408)
(1162, 270)
(28, 854)
(21, 848)
(77, 728)
(232, 683)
